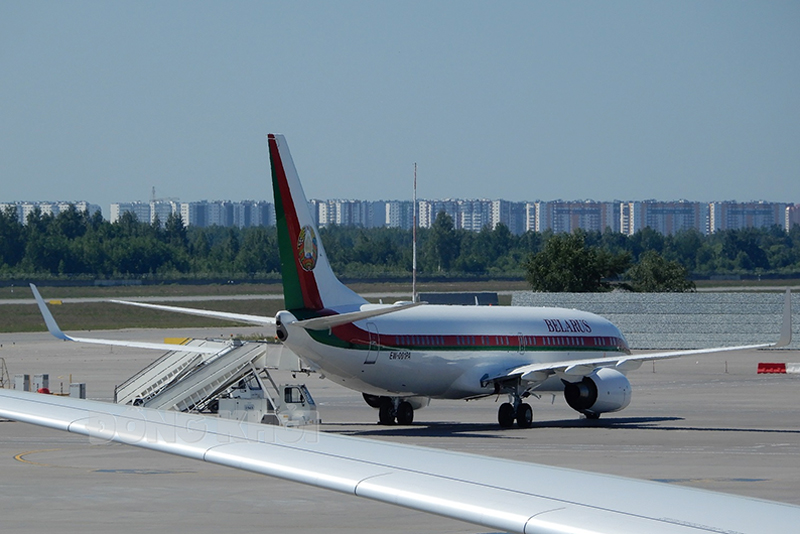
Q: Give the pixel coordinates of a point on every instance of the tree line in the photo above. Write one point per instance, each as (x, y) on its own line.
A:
(75, 243)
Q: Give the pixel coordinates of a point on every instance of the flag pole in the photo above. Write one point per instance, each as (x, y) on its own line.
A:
(414, 238)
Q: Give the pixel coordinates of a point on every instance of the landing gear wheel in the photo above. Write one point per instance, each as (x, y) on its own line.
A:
(506, 415)
(386, 412)
(405, 413)
(524, 415)
(592, 415)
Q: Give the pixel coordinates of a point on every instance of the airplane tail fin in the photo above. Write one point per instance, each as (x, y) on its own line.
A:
(308, 280)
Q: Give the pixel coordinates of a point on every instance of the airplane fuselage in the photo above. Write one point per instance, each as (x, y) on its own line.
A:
(448, 351)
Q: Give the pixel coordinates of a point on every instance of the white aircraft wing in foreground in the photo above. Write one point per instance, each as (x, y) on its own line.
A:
(494, 493)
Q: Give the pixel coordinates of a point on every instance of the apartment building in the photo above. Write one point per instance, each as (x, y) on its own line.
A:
(731, 215)
(664, 217)
(560, 216)
(25, 208)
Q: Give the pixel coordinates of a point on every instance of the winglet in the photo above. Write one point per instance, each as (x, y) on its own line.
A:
(49, 320)
(54, 329)
(786, 327)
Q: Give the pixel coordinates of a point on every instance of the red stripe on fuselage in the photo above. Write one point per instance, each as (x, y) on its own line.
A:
(352, 334)
(308, 283)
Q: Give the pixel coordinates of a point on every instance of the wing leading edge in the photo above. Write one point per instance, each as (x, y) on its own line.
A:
(537, 499)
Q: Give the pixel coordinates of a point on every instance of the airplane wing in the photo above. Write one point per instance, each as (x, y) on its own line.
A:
(259, 320)
(537, 372)
(536, 499)
(56, 331)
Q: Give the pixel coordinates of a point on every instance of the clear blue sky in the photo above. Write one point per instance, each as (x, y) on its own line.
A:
(100, 101)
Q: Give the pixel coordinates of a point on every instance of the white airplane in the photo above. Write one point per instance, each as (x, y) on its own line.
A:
(494, 493)
(400, 356)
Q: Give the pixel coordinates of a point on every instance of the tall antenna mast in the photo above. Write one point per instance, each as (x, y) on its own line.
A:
(414, 238)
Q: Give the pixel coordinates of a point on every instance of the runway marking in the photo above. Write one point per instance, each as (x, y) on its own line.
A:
(21, 457)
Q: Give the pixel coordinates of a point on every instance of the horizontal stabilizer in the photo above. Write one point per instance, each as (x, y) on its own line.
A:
(329, 321)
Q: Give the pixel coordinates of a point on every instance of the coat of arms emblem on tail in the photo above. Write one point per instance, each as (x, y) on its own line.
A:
(307, 248)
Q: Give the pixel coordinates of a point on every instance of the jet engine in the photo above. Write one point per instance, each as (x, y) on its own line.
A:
(281, 319)
(605, 390)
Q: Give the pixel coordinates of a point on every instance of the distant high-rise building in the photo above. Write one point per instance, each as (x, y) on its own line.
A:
(140, 209)
(561, 216)
(664, 217)
(430, 209)
(376, 214)
(194, 213)
(474, 215)
(23, 209)
(262, 213)
(511, 214)
(530, 217)
(399, 214)
(226, 213)
(735, 215)
(792, 217)
(626, 217)
(162, 209)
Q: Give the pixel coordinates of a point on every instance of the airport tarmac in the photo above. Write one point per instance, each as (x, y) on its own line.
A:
(709, 422)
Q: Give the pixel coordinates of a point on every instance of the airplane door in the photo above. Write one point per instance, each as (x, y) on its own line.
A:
(374, 345)
(521, 343)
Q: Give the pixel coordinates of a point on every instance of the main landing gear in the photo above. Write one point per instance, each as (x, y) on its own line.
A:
(523, 414)
(391, 410)
(514, 409)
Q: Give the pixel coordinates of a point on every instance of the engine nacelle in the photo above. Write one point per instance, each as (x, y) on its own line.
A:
(605, 390)
(281, 320)
(374, 401)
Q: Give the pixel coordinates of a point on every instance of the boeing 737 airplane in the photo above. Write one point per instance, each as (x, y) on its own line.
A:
(400, 356)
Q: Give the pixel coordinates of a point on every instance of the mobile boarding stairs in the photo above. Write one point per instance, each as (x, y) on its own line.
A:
(233, 381)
